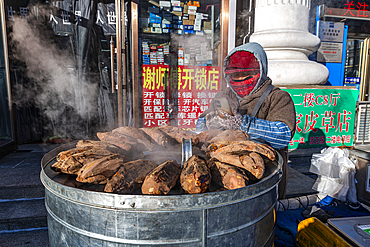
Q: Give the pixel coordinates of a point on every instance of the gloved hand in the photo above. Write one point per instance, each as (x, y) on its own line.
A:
(222, 120)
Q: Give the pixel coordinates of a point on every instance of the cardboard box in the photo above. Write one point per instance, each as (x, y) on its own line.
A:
(199, 33)
(177, 8)
(197, 27)
(180, 32)
(165, 25)
(164, 21)
(156, 30)
(175, 3)
(188, 31)
(191, 17)
(177, 13)
(155, 25)
(185, 16)
(185, 10)
(192, 7)
(188, 22)
(207, 25)
(197, 22)
(175, 17)
(188, 27)
(147, 30)
(154, 18)
(191, 12)
(154, 3)
(165, 4)
(165, 30)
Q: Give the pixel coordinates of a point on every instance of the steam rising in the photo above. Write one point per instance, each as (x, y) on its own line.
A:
(56, 86)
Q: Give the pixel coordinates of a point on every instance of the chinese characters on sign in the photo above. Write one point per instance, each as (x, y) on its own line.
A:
(324, 117)
(67, 18)
(351, 10)
(195, 87)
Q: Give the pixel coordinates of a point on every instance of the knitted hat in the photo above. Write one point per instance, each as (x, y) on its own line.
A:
(242, 61)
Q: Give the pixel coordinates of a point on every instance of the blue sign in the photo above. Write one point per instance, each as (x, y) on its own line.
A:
(352, 81)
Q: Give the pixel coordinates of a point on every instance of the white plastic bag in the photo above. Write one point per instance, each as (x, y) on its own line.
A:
(326, 163)
(336, 174)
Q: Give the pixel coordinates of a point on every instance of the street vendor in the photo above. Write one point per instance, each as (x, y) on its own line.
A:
(252, 104)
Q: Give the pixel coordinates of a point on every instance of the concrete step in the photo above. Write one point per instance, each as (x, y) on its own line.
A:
(21, 214)
(20, 175)
(16, 192)
(30, 238)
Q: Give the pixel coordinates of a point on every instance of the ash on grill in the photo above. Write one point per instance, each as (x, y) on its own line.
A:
(131, 160)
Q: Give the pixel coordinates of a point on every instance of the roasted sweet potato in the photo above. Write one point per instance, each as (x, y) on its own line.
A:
(161, 179)
(73, 163)
(159, 136)
(219, 147)
(130, 176)
(100, 170)
(125, 142)
(229, 136)
(138, 134)
(227, 176)
(65, 154)
(195, 176)
(205, 136)
(178, 134)
(101, 145)
(250, 161)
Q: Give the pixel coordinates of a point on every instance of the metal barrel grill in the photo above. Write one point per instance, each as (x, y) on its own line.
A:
(81, 217)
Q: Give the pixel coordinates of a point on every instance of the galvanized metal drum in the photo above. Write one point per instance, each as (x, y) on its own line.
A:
(81, 217)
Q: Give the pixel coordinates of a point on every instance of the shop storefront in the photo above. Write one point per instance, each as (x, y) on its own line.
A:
(181, 49)
(347, 58)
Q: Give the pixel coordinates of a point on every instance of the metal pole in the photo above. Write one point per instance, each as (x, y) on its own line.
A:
(119, 62)
(112, 65)
(123, 19)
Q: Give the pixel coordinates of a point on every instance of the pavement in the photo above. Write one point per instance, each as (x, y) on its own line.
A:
(23, 217)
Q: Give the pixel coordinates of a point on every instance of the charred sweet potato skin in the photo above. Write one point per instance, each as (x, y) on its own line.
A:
(250, 161)
(227, 176)
(219, 147)
(195, 176)
(138, 134)
(230, 136)
(129, 176)
(161, 179)
(71, 164)
(179, 134)
(100, 170)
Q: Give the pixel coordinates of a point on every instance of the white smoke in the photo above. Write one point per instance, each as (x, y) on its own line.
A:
(52, 71)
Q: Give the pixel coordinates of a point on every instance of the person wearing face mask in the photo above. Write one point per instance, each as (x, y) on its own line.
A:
(252, 104)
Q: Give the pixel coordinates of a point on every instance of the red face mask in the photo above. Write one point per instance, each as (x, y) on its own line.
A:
(245, 86)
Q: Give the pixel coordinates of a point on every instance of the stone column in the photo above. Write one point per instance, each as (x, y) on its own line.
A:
(281, 27)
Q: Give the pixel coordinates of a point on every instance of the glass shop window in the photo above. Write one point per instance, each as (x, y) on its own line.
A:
(179, 58)
(5, 120)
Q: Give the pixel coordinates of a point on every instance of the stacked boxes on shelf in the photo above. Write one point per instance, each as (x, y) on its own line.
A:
(160, 55)
(146, 52)
(154, 54)
(176, 17)
(180, 56)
